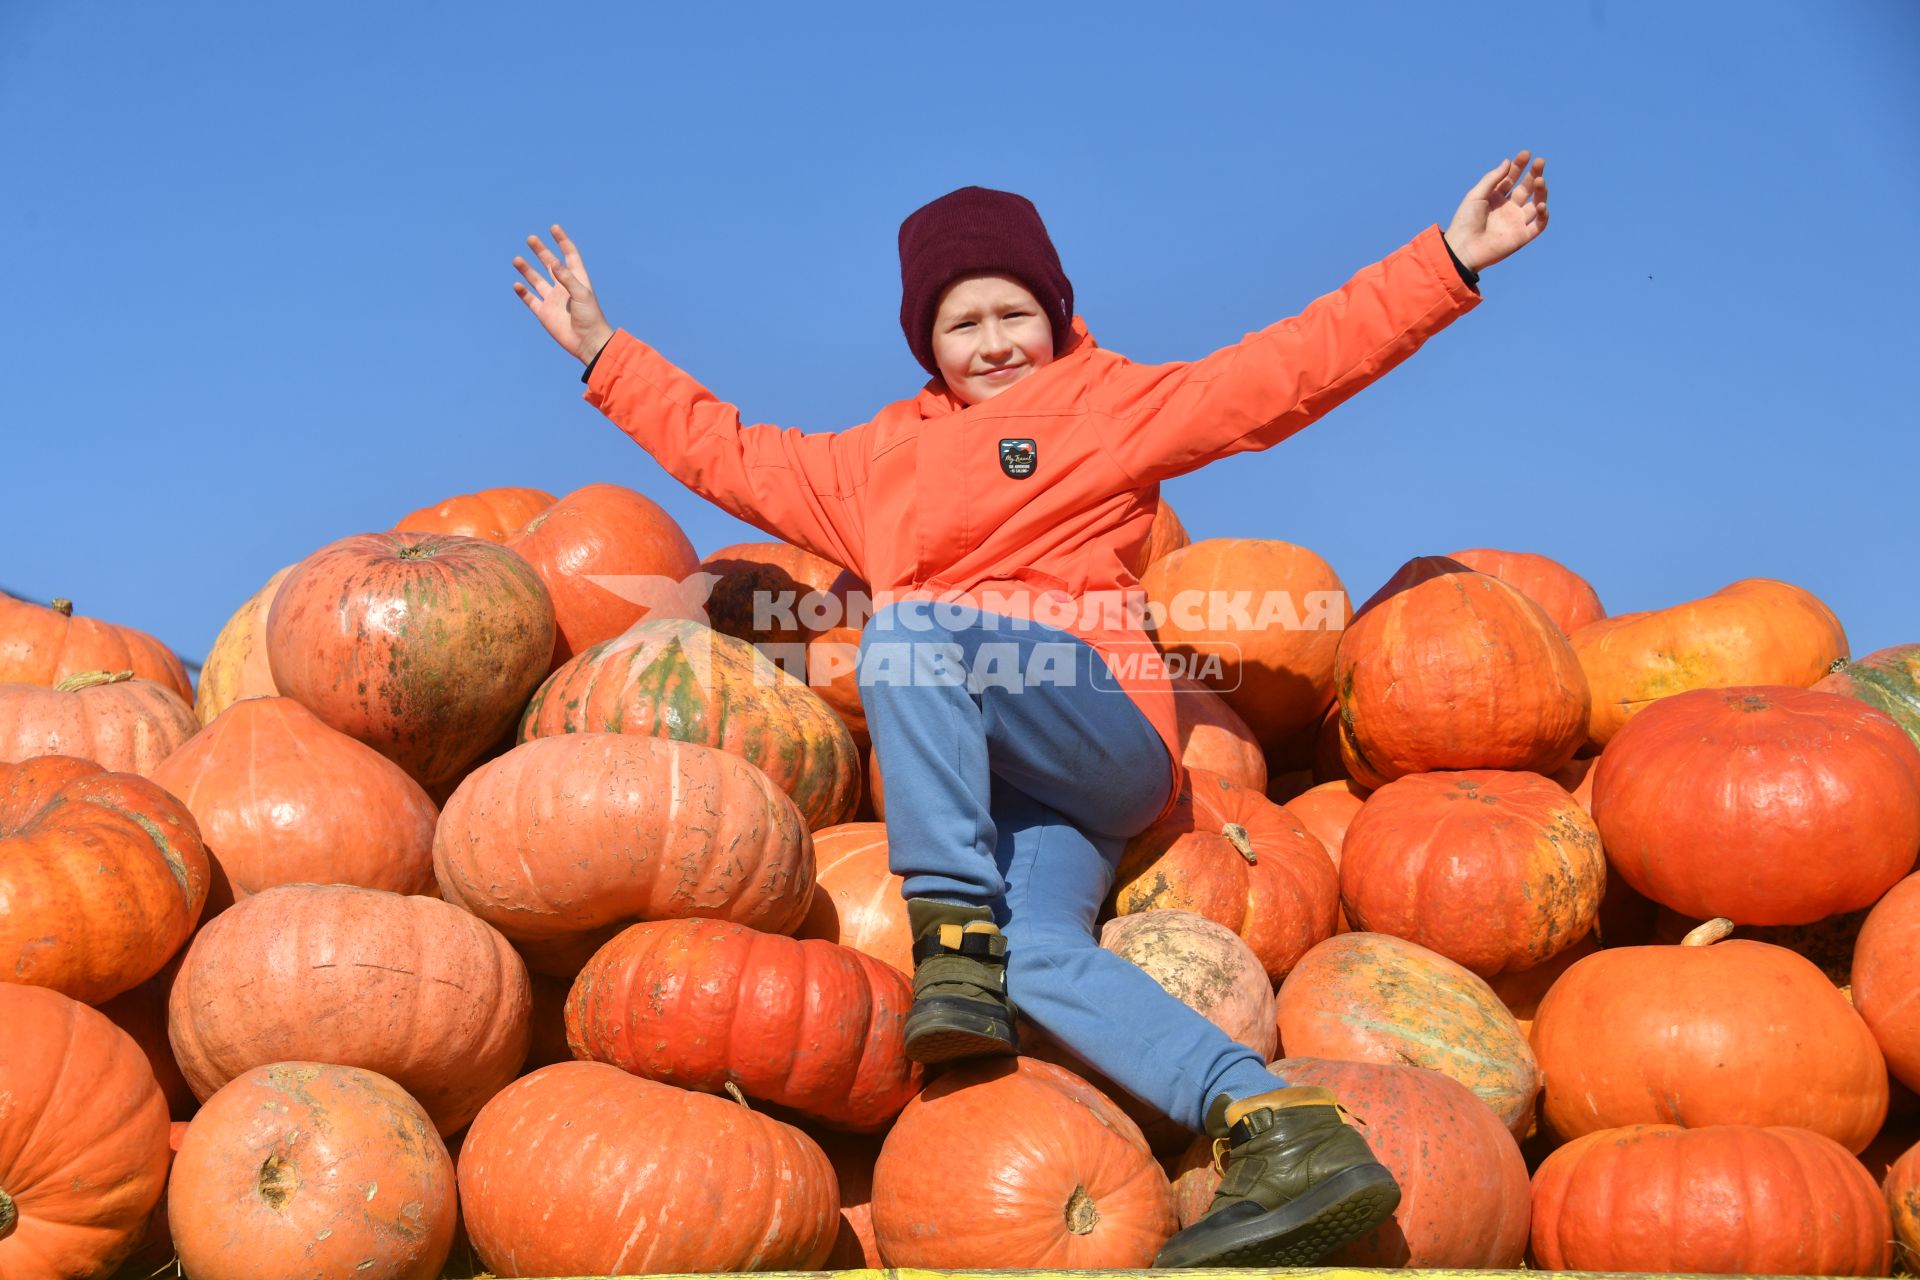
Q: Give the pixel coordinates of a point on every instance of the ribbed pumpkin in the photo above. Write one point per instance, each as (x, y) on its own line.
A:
(83, 1138)
(856, 899)
(594, 549)
(702, 1004)
(1445, 668)
(43, 646)
(122, 724)
(303, 1168)
(1755, 631)
(1369, 997)
(1708, 1032)
(282, 799)
(1017, 1163)
(673, 830)
(1493, 870)
(703, 1184)
(424, 646)
(237, 666)
(1729, 1199)
(1213, 738)
(1886, 978)
(1562, 594)
(67, 828)
(1886, 678)
(1829, 943)
(1270, 611)
(1902, 1191)
(1240, 860)
(1463, 1183)
(1767, 805)
(677, 679)
(493, 515)
(409, 987)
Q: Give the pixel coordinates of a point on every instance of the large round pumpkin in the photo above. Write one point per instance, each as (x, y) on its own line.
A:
(1888, 679)
(1237, 858)
(581, 1169)
(44, 645)
(237, 667)
(424, 646)
(1445, 668)
(674, 829)
(121, 724)
(1755, 631)
(1017, 1163)
(303, 1168)
(493, 515)
(83, 1137)
(1729, 1199)
(1767, 805)
(1463, 1183)
(1369, 997)
(702, 1004)
(1886, 978)
(282, 799)
(410, 987)
(1562, 594)
(856, 900)
(671, 678)
(1214, 738)
(1494, 870)
(102, 877)
(1708, 1032)
(1268, 613)
(609, 557)
(1204, 965)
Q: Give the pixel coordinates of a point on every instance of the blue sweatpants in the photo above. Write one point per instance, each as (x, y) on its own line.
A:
(1015, 772)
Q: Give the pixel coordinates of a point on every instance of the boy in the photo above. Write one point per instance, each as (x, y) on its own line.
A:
(985, 514)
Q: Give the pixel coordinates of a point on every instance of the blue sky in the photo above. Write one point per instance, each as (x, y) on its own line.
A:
(261, 294)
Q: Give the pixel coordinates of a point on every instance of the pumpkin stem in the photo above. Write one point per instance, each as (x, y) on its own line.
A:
(1081, 1215)
(1237, 837)
(88, 679)
(63, 607)
(1707, 934)
(279, 1179)
(733, 1091)
(1839, 665)
(8, 1215)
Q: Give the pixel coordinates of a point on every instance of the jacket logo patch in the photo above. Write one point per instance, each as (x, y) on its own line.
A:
(1018, 458)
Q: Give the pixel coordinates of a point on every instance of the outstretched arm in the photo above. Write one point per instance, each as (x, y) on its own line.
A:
(802, 488)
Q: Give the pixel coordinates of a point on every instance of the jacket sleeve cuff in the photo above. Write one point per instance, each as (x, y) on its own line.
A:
(1471, 278)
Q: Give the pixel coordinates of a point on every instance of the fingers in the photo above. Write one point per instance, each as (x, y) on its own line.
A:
(571, 252)
(545, 255)
(1490, 180)
(539, 282)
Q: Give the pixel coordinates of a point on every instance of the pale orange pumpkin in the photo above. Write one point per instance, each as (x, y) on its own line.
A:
(122, 724)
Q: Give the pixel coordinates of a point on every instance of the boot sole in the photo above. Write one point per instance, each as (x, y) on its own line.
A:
(1298, 1233)
(930, 1047)
(943, 1029)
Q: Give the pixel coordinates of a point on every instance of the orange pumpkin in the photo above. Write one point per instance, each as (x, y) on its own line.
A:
(1213, 738)
(1493, 870)
(141, 1012)
(1445, 668)
(304, 1168)
(493, 515)
(67, 826)
(1708, 1032)
(282, 799)
(1902, 1191)
(236, 666)
(857, 901)
(1240, 860)
(1270, 613)
(595, 550)
(44, 645)
(1755, 631)
(853, 1156)
(1165, 536)
(1730, 1199)
(1562, 594)
(83, 1138)
(1017, 1163)
(122, 724)
(1886, 978)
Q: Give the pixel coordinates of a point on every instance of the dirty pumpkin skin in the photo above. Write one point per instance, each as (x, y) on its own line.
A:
(301, 1168)
(424, 646)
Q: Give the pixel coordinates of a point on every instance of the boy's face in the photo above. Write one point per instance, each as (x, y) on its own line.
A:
(989, 332)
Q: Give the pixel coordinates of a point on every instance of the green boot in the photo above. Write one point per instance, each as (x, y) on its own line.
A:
(1300, 1182)
(960, 1007)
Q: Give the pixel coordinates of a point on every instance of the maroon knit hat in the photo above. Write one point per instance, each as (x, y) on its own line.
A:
(972, 231)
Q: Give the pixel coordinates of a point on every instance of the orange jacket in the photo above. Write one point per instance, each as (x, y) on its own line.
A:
(917, 500)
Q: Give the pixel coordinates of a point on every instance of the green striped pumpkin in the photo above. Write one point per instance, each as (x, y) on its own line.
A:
(1888, 679)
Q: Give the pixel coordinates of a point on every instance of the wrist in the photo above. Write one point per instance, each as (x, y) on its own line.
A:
(593, 344)
(1462, 253)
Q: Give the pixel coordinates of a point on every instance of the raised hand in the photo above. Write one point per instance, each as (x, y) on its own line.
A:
(565, 303)
(1505, 211)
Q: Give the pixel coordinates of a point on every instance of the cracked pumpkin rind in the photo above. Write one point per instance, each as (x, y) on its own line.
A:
(103, 876)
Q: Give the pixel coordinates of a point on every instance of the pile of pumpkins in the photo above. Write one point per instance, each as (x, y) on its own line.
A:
(496, 904)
